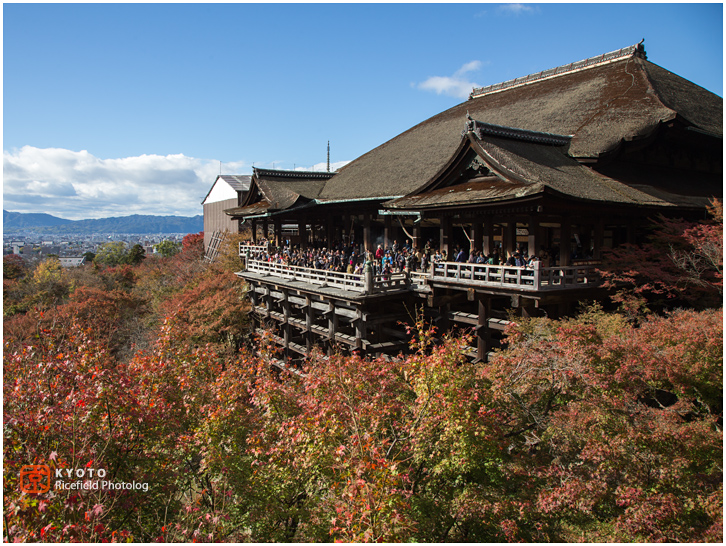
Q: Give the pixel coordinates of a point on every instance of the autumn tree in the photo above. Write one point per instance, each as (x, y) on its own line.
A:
(680, 264)
(14, 267)
(194, 243)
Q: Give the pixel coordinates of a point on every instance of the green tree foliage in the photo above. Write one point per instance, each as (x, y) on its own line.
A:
(112, 254)
(136, 254)
(167, 248)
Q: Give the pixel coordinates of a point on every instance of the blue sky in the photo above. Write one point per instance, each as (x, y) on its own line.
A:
(118, 109)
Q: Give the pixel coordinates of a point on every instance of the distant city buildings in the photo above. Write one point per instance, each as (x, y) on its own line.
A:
(72, 248)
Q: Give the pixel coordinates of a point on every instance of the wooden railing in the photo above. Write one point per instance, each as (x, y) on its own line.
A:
(364, 283)
(495, 276)
(244, 248)
(519, 278)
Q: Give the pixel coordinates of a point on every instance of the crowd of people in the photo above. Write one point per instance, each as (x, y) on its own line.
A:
(396, 258)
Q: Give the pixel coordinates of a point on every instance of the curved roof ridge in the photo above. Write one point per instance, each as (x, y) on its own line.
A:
(631, 51)
(540, 137)
(292, 174)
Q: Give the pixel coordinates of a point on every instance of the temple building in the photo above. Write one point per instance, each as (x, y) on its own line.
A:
(227, 191)
(566, 163)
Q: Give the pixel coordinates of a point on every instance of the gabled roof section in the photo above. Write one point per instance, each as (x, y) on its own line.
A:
(496, 163)
(274, 190)
(234, 182)
(237, 182)
(599, 105)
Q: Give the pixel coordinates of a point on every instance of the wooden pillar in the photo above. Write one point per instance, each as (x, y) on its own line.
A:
(599, 239)
(330, 231)
(302, 232)
(565, 235)
(268, 300)
(308, 324)
(387, 240)
(264, 229)
(254, 301)
(477, 234)
(483, 334)
(277, 232)
(360, 331)
(332, 326)
(254, 231)
(367, 238)
(344, 235)
(445, 237)
(586, 238)
(509, 236)
(534, 237)
(286, 323)
(487, 241)
(417, 242)
(630, 231)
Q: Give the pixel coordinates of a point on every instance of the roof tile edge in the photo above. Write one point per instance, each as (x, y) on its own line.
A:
(480, 129)
(292, 174)
(632, 51)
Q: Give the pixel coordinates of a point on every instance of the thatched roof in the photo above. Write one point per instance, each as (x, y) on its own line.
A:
(521, 164)
(599, 106)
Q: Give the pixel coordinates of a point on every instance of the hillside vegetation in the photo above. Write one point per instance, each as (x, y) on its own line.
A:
(135, 223)
(603, 427)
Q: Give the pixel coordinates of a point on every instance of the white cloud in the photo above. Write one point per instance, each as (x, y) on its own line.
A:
(516, 9)
(456, 85)
(318, 167)
(78, 185)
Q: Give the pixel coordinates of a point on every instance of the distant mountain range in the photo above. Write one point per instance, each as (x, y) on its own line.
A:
(136, 223)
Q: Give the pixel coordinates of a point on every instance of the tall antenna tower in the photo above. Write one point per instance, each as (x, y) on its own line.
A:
(328, 156)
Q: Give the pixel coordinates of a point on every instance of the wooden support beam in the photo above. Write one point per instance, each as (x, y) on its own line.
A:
(509, 235)
(477, 234)
(360, 334)
(309, 324)
(278, 233)
(483, 334)
(487, 240)
(302, 233)
(387, 240)
(534, 235)
(286, 327)
(332, 327)
(330, 231)
(599, 238)
(565, 236)
(268, 299)
(437, 300)
(445, 237)
(630, 231)
(367, 236)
